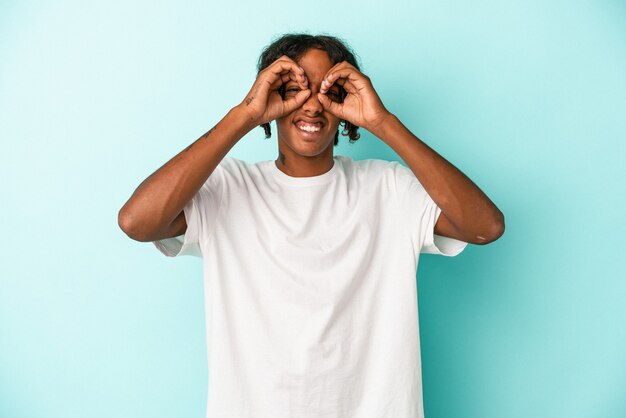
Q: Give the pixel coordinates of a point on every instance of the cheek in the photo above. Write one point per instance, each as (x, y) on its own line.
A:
(335, 123)
(284, 124)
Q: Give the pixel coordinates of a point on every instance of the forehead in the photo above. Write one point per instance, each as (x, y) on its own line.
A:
(315, 63)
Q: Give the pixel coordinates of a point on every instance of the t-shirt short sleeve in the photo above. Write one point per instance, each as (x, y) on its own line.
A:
(420, 212)
(200, 215)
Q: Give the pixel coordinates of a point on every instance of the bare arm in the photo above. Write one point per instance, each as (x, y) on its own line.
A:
(155, 210)
(467, 213)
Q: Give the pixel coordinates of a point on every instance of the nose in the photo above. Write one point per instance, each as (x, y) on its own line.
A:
(312, 104)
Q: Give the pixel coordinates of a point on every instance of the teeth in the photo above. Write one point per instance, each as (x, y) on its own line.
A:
(309, 128)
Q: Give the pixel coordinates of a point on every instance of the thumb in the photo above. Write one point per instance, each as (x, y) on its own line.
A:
(329, 105)
(297, 101)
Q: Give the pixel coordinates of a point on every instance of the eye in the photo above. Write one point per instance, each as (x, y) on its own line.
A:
(292, 90)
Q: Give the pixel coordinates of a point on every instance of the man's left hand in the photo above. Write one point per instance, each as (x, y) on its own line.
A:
(361, 106)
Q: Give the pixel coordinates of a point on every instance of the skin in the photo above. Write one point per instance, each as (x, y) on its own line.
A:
(155, 210)
(467, 213)
(297, 157)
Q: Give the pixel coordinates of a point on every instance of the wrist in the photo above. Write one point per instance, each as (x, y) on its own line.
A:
(244, 118)
(383, 125)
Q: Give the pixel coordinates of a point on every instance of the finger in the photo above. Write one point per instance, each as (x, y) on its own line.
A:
(347, 85)
(285, 65)
(295, 102)
(273, 75)
(284, 78)
(274, 80)
(337, 66)
(289, 76)
(350, 74)
(333, 107)
(299, 75)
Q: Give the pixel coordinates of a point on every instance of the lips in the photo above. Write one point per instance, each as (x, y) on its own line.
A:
(309, 126)
(310, 121)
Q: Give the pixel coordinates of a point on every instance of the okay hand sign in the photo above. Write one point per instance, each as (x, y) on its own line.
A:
(361, 106)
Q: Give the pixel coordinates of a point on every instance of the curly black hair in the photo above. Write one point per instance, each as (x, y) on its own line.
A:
(294, 45)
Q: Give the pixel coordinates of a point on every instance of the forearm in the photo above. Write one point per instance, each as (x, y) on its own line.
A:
(472, 214)
(164, 194)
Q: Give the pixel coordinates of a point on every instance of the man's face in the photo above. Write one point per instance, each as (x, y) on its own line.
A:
(316, 64)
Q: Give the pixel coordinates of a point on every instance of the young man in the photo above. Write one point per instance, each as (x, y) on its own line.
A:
(310, 260)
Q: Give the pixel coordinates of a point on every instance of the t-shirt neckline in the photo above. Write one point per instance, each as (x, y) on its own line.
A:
(303, 181)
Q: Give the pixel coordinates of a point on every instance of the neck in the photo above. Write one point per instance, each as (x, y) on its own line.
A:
(296, 165)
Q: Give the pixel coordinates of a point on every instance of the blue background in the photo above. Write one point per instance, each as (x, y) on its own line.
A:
(528, 98)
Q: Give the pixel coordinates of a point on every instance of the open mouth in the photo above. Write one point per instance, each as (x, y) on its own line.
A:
(309, 130)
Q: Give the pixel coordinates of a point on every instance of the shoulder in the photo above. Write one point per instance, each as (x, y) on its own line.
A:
(237, 171)
(371, 174)
(230, 163)
(394, 174)
(370, 167)
(235, 167)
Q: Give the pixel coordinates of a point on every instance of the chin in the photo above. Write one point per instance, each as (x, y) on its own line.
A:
(307, 149)
(307, 144)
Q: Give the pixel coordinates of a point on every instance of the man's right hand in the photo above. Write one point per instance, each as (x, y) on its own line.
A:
(155, 210)
(264, 103)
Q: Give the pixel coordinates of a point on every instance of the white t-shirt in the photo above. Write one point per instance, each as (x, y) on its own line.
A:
(310, 288)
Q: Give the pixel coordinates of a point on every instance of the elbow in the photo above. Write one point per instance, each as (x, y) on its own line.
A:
(124, 221)
(126, 224)
(493, 231)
